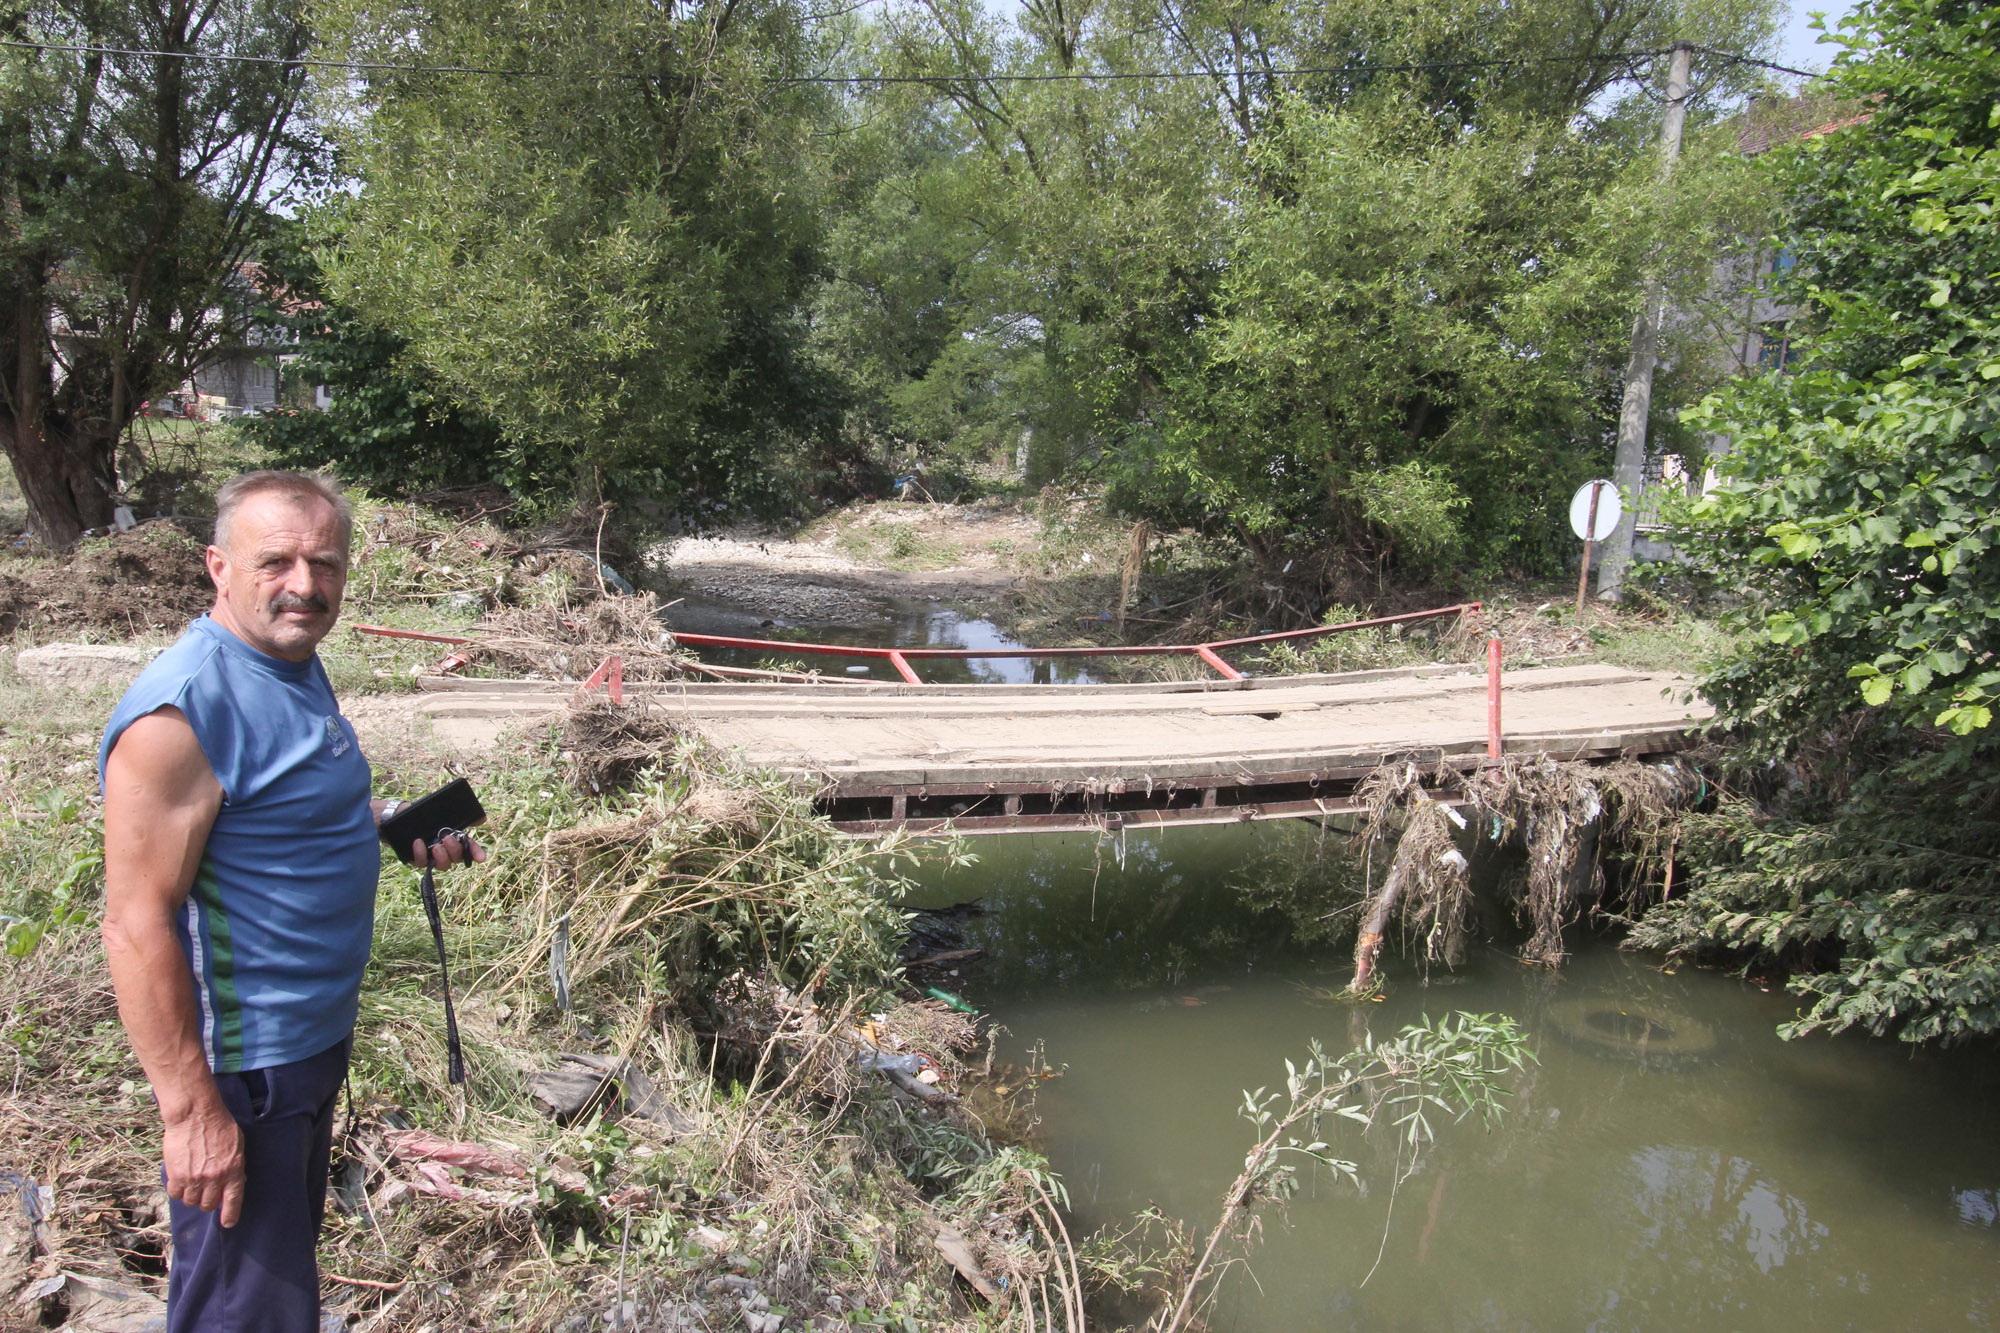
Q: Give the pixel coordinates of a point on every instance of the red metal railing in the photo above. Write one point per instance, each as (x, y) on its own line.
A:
(900, 658)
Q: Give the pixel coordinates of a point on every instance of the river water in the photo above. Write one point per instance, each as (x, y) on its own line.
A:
(906, 622)
(1667, 1162)
(1715, 1178)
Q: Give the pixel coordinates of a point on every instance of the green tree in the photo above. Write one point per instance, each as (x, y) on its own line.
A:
(1858, 516)
(608, 255)
(1418, 340)
(388, 425)
(911, 312)
(1376, 313)
(133, 189)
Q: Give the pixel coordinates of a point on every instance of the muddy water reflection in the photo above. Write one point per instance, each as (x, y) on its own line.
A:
(907, 623)
(1724, 1179)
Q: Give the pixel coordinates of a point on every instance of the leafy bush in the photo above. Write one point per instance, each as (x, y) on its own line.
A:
(1349, 650)
(1857, 516)
(1417, 505)
(1883, 934)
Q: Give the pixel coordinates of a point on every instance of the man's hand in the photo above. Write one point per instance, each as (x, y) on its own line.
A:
(446, 852)
(203, 1150)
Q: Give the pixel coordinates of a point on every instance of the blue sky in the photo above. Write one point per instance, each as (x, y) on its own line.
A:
(1796, 47)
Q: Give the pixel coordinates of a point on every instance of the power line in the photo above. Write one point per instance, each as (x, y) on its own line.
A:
(1289, 72)
(288, 62)
(850, 80)
(887, 80)
(1760, 63)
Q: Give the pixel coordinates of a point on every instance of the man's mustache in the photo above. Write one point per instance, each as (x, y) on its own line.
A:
(284, 601)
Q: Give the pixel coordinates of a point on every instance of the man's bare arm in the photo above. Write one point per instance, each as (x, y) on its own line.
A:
(160, 800)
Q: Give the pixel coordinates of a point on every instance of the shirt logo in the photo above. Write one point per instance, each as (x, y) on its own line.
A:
(336, 737)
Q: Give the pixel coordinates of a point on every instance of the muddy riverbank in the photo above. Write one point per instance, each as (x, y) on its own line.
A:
(856, 562)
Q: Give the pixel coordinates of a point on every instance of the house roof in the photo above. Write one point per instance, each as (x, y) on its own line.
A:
(1773, 122)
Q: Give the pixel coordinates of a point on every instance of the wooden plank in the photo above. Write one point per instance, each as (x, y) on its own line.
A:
(1275, 766)
(1087, 821)
(1131, 750)
(1244, 804)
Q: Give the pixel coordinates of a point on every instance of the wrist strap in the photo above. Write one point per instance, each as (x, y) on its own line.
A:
(427, 888)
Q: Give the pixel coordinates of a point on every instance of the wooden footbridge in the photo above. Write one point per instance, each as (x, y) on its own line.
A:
(1005, 758)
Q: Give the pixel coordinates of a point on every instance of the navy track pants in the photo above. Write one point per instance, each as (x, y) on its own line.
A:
(262, 1275)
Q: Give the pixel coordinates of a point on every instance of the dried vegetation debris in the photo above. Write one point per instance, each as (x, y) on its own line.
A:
(547, 609)
(570, 642)
(752, 1159)
(607, 745)
(692, 866)
(546, 606)
(409, 555)
(154, 577)
(1567, 820)
(1428, 879)
(85, 1213)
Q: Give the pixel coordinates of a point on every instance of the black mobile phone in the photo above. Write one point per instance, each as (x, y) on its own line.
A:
(452, 808)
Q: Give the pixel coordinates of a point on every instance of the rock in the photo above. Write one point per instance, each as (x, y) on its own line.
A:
(582, 1083)
(82, 663)
(712, 1239)
(758, 1322)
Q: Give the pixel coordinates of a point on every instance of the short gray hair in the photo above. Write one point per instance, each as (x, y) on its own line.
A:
(296, 485)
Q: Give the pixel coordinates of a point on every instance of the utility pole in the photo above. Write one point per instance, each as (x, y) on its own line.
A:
(1628, 470)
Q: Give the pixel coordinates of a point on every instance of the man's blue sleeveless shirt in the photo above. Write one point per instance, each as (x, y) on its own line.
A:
(277, 925)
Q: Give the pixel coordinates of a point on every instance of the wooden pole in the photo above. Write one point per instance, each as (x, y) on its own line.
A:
(1493, 743)
(1629, 465)
(1589, 546)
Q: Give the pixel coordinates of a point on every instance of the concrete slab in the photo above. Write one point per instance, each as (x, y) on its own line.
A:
(82, 663)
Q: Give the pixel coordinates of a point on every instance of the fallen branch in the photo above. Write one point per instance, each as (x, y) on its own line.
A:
(368, 1282)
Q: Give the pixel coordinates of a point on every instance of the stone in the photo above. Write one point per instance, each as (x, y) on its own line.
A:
(82, 663)
(582, 1082)
(709, 1238)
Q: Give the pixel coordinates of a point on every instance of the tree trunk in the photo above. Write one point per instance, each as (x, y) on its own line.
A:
(68, 474)
(69, 479)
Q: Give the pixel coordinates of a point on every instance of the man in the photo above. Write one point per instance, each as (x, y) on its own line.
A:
(240, 864)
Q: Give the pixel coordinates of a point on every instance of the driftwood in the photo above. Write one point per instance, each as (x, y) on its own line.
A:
(947, 956)
(959, 1255)
(1368, 944)
(1566, 817)
(1427, 860)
